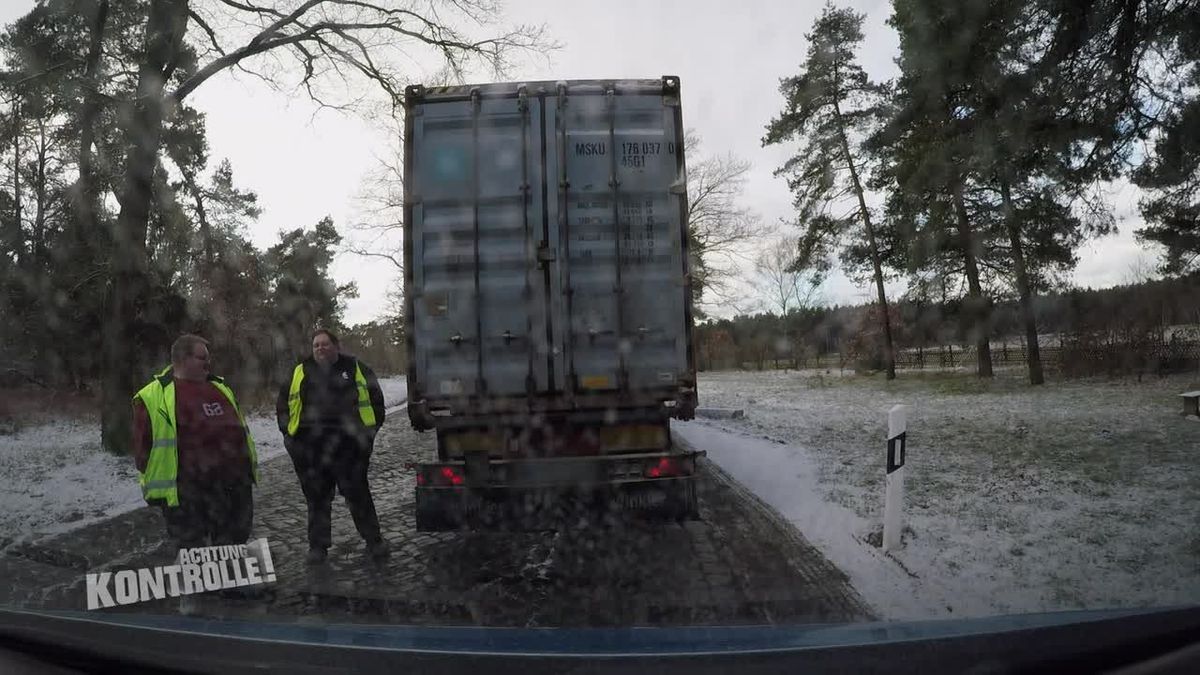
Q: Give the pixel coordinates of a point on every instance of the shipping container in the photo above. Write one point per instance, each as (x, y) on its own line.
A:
(548, 300)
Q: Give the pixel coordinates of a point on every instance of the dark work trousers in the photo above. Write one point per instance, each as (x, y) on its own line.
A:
(326, 460)
(211, 512)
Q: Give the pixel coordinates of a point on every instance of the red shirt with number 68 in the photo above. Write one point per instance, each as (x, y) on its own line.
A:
(211, 440)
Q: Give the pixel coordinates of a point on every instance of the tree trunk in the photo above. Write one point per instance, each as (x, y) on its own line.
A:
(82, 197)
(977, 303)
(38, 234)
(889, 350)
(18, 245)
(85, 189)
(165, 25)
(1033, 355)
(206, 239)
(212, 279)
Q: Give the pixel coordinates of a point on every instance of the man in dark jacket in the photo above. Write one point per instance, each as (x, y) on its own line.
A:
(329, 413)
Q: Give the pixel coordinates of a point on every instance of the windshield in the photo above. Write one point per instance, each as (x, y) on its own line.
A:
(607, 315)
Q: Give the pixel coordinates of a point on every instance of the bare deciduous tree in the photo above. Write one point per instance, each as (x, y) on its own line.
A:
(721, 227)
(777, 280)
(378, 230)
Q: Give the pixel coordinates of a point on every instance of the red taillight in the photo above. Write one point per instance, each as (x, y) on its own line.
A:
(667, 466)
(452, 476)
(440, 476)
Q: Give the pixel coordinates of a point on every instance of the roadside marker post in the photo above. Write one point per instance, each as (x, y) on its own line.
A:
(893, 506)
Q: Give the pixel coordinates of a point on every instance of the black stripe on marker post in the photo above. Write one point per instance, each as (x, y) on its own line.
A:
(895, 455)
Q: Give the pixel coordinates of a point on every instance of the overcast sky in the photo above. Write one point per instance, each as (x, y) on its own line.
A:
(305, 165)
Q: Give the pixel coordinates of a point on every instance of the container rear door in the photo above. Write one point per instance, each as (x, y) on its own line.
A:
(621, 298)
(547, 256)
(479, 305)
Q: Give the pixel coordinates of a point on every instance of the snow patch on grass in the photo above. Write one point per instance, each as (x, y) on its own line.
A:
(1077, 495)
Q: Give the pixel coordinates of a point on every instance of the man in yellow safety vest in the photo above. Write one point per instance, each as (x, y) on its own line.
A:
(329, 412)
(194, 454)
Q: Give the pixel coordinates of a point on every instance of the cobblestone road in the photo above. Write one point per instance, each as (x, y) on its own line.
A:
(738, 565)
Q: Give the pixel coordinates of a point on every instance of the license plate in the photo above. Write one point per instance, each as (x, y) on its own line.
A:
(555, 473)
(644, 499)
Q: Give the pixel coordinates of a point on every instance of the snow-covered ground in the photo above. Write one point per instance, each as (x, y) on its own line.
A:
(1074, 495)
(1018, 499)
(55, 478)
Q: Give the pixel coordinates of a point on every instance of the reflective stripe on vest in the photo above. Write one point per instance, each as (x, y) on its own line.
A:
(294, 402)
(366, 412)
(162, 466)
(159, 480)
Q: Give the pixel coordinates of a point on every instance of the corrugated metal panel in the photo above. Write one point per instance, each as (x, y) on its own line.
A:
(544, 243)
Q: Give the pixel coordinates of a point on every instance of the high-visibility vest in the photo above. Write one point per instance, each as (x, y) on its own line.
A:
(159, 480)
(366, 412)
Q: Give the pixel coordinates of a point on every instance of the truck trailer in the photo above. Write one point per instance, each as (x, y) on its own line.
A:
(548, 301)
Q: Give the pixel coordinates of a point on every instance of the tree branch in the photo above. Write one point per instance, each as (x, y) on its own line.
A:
(212, 36)
(375, 254)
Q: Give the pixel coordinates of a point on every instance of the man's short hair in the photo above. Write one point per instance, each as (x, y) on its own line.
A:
(325, 331)
(184, 346)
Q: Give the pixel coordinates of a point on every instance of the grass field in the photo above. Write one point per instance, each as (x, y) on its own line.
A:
(1079, 494)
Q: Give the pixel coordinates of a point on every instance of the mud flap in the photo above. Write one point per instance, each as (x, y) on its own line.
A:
(659, 500)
